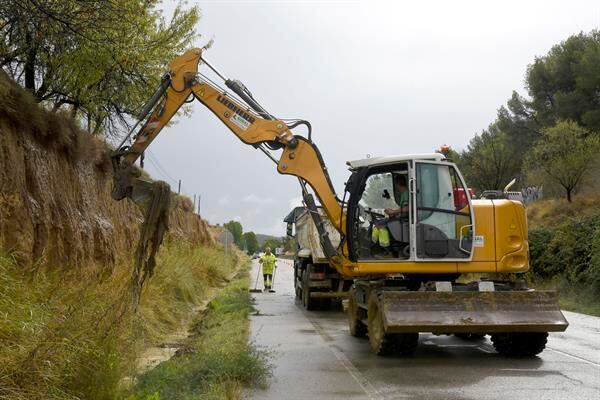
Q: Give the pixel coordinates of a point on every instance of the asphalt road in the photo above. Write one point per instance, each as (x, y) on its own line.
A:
(315, 357)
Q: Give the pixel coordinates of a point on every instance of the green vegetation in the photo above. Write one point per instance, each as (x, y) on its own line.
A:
(565, 250)
(564, 154)
(272, 243)
(489, 162)
(548, 140)
(100, 60)
(250, 242)
(75, 336)
(562, 107)
(217, 359)
(237, 231)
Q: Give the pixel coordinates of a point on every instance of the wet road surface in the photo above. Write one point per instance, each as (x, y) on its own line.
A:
(316, 358)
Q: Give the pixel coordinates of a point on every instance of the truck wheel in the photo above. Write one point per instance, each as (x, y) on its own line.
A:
(297, 288)
(357, 328)
(381, 343)
(309, 303)
(470, 336)
(520, 344)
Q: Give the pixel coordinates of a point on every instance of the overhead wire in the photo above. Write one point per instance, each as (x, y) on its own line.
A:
(154, 161)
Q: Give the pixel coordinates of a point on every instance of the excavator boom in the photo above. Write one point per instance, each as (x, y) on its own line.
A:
(250, 122)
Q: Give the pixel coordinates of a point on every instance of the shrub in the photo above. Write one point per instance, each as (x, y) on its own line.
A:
(569, 251)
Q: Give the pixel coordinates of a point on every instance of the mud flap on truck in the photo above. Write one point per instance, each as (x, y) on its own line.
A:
(473, 312)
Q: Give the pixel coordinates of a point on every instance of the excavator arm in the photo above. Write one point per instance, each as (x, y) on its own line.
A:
(249, 121)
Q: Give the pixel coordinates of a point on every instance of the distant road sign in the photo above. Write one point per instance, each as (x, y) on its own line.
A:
(226, 238)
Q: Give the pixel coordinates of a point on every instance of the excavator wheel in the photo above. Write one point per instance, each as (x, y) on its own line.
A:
(520, 344)
(406, 343)
(386, 344)
(472, 337)
(357, 327)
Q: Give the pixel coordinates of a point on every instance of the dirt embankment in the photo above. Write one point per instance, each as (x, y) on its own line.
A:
(55, 183)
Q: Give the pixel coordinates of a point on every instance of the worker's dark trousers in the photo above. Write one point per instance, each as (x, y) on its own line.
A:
(268, 280)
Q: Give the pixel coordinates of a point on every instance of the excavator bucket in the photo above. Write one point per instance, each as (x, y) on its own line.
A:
(472, 311)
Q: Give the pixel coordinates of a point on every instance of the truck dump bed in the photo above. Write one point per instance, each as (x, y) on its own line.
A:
(307, 235)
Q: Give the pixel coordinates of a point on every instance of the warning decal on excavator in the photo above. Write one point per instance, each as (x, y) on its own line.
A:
(478, 241)
(240, 121)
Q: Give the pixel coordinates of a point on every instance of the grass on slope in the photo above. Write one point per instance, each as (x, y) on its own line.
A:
(217, 360)
(76, 337)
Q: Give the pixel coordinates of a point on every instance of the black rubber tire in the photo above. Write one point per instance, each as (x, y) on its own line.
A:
(406, 343)
(520, 344)
(387, 344)
(357, 328)
(310, 304)
(297, 289)
(381, 344)
(472, 337)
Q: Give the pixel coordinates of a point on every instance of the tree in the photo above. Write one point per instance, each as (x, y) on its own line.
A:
(490, 162)
(250, 242)
(236, 230)
(273, 243)
(101, 59)
(563, 84)
(518, 121)
(565, 154)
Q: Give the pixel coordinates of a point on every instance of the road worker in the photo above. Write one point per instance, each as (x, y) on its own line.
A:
(269, 263)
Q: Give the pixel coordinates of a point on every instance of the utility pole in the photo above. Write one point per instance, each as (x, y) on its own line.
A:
(199, 197)
(194, 207)
(179, 187)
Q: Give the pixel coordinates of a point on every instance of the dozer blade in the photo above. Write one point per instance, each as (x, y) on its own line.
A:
(476, 312)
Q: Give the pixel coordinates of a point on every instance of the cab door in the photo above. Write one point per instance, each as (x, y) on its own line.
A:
(443, 223)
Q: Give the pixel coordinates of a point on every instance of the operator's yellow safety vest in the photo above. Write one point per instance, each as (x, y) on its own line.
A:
(268, 263)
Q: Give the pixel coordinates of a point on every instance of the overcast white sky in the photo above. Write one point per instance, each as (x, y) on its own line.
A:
(373, 77)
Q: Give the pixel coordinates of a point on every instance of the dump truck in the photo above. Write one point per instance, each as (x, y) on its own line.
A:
(316, 283)
(407, 224)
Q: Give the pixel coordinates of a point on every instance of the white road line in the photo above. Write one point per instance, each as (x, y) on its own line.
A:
(363, 382)
(573, 357)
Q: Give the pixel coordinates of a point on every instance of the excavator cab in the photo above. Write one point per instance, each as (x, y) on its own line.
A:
(409, 208)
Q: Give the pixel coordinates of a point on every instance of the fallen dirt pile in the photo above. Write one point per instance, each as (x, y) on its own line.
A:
(55, 203)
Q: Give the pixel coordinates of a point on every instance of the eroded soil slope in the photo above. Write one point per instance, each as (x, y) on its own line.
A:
(55, 182)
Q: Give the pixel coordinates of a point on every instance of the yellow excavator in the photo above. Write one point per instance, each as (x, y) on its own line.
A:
(408, 226)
